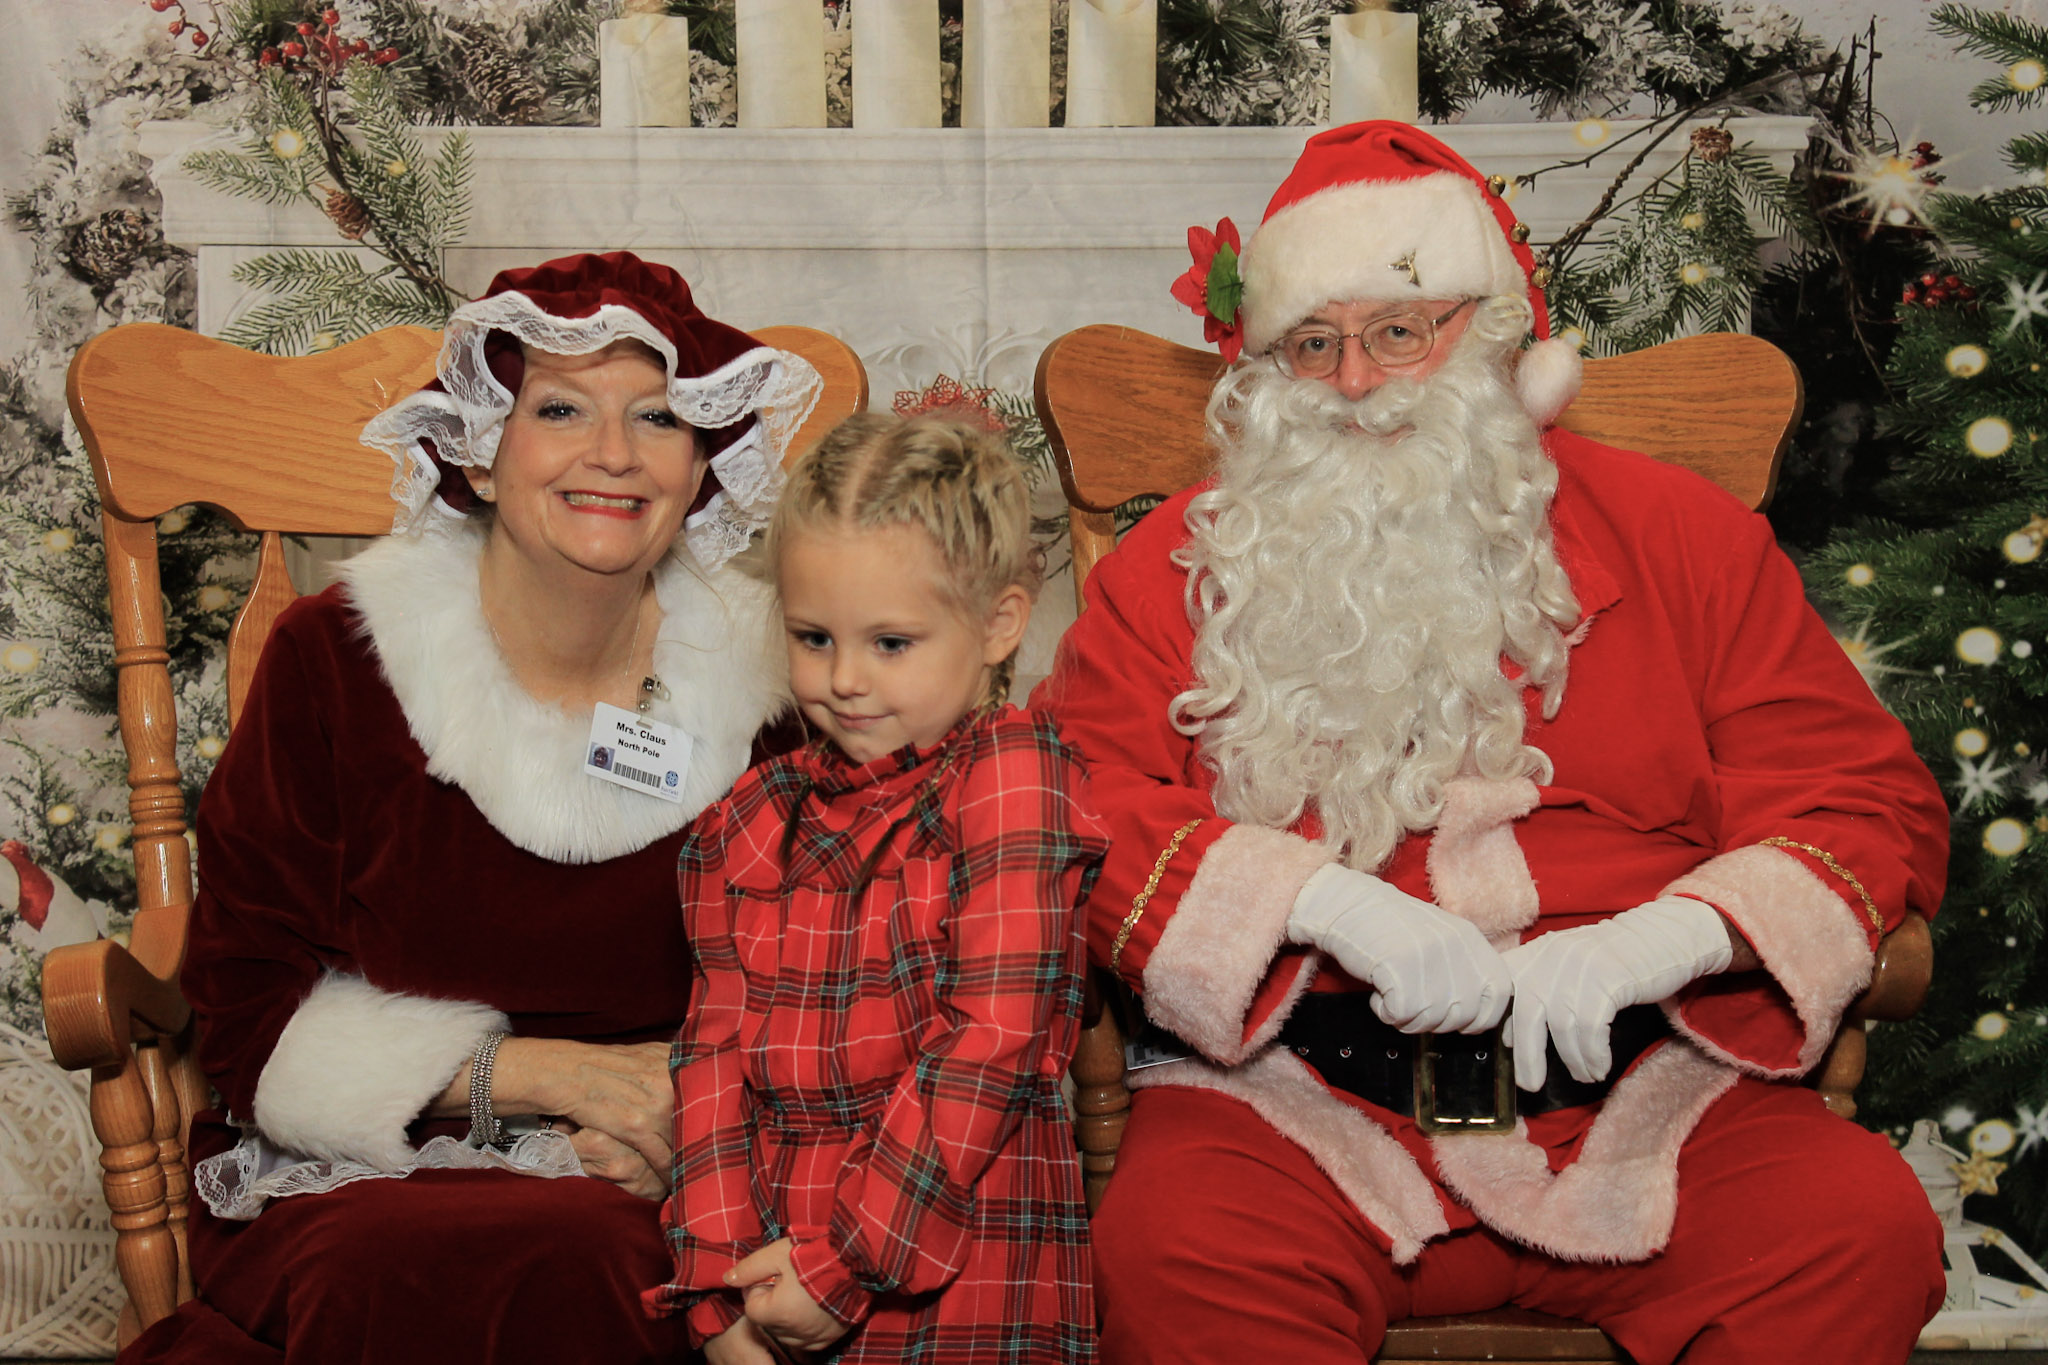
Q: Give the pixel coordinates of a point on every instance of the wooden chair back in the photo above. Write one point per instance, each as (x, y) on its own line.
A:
(171, 418)
(1123, 411)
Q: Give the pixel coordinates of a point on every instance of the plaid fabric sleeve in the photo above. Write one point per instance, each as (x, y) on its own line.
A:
(1010, 992)
(710, 1218)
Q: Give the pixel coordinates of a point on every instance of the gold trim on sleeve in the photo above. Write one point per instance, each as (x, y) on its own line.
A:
(1827, 860)
(1144, 897)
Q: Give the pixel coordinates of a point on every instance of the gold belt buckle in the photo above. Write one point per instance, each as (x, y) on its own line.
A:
(1468, 1086)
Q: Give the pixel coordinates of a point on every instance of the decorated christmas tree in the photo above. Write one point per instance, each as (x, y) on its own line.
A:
(1944, 604)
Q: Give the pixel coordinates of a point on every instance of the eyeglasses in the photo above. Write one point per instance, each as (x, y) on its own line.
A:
(1394, 340)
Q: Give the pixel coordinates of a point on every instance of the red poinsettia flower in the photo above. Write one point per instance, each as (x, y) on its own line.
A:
(1212, 288)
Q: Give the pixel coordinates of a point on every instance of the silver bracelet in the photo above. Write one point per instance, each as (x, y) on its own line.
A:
(484, 1128)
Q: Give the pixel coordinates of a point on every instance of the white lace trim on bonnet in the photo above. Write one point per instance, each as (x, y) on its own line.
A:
(465, 423)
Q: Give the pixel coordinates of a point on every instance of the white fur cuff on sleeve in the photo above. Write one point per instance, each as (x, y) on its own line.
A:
(357, 1064)
(1215, 952)
(1807, 939)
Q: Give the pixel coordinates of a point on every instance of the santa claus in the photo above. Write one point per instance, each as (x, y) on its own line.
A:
(1421, 711)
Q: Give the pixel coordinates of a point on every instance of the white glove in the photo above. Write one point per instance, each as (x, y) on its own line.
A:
(1431, 972)
(1572, 983)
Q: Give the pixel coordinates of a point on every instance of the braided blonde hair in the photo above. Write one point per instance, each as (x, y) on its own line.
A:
(958, 483)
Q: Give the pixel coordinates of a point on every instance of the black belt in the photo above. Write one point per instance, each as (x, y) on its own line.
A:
(1340, 1037)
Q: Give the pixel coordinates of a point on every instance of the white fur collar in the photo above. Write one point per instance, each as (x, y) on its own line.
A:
(520, 760)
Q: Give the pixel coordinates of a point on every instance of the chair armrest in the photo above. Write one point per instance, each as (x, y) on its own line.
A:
(1905, 968)
(97, 997)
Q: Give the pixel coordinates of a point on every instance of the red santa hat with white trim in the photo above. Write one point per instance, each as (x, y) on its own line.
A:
(1382, 210)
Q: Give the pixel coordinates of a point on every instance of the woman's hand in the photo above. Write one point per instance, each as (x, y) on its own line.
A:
(604, 1157)
(777, 1303)
(617, 1097)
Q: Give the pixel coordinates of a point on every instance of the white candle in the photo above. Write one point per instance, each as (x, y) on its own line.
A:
(644, 72)
(1006, 56)
(896, 64)
(1373, 67)
(781, 63)
(1112, 63)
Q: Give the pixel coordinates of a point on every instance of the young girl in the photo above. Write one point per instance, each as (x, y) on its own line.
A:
(872, 1154)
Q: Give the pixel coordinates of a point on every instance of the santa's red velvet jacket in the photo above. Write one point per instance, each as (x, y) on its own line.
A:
(1714, 740)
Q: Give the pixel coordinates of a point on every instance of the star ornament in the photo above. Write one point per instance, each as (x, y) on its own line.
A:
(1886, 185)
(1211, 287)
(1979, 1175)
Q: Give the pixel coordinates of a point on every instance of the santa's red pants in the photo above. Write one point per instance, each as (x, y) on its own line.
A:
(1799, 1237)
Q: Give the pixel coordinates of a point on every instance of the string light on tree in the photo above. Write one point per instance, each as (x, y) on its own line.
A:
(2005, 838)
(1966, 362)
(1860, 575)
(59, 539)
(1991, 1027)
(2022, 546)
(1972, 742)
(1591, 132)
(1988, 437)
(1693, 273)
(286, 144)
(20, 658)
(61, 814)
(1979, 645)
(2026, 75)
(1886, 185)
(1993, 1137)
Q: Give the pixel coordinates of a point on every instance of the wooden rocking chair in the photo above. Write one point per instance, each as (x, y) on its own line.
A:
(170, 418)
(1123, 411)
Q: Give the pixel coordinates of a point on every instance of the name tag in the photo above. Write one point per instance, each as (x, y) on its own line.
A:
(635, 751)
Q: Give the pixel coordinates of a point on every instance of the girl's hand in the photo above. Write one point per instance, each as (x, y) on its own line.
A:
(621, 1091)
(741, 1344)
(777, 1303)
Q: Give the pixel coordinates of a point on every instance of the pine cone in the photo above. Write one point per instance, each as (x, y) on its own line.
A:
(348, 214)
(497, 79)
(101, 251)
(1713, 144)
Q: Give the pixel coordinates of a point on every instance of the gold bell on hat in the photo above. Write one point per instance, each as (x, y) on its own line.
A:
(1519, 233)
(1496, 185)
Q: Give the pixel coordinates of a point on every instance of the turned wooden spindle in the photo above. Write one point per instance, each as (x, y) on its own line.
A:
(1102, 1103)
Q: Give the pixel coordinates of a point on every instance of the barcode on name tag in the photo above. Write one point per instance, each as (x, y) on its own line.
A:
(645, 779)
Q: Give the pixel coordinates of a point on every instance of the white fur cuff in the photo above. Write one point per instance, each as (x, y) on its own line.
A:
(357, 1064)
(1216, 951)
(1807, 938)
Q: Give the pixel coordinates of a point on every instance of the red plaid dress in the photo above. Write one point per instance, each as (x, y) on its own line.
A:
(871, 1063)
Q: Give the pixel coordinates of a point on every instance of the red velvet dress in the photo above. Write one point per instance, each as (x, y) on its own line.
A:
(325, 846)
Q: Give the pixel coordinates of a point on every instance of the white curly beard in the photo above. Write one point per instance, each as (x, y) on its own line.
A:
(1357, 575)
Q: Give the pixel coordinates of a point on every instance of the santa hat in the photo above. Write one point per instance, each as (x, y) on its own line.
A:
(1382, 210)
(745, 399)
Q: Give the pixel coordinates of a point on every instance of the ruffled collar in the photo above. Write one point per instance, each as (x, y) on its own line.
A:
(519, 759)
(831, 773)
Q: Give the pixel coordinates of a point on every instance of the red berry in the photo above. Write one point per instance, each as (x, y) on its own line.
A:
(1952, 281)
(1929, 280)
(177, 27)
(1911, 294)
(1966, 293)
(305, 30)
(293, 49)
(386, 56)
(330, 17)
(199, 37)
(267, 57)
(1930, 302)
(359, 46)
(161, 5)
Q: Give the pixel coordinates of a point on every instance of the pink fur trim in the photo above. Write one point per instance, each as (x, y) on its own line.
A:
(1476, 867)
(1373, 1170)
(1215, 952)
(1808, 939)
(1618, 1200)
(1547, 379)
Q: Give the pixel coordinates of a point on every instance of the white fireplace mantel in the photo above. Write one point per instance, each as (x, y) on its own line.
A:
(891, 238)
